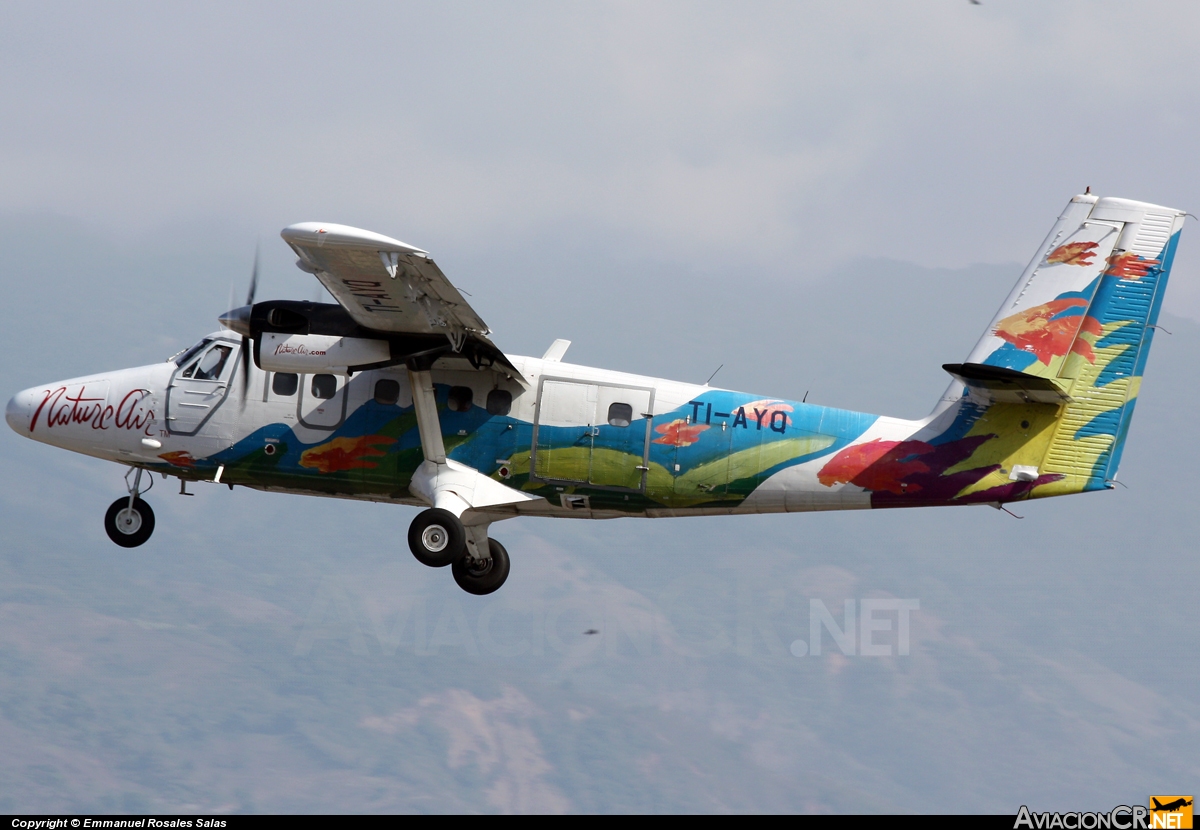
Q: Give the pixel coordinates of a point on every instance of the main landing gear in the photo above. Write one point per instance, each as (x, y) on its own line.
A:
(482, 576)
(479, 564)
(129, 520)
(437, 538)
(453, 531)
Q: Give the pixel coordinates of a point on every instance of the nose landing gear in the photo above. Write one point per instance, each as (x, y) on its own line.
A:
(129, 520)
(129, 525)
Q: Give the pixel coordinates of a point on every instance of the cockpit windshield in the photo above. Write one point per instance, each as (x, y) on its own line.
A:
(187, 354)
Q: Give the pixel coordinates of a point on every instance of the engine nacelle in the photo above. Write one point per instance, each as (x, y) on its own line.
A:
(317, 353)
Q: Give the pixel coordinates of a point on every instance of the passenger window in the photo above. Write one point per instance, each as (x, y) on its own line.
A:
(460, 398)
(285, 384)
(324, 386)
(499, 402)
(387, 392)
(620, 415)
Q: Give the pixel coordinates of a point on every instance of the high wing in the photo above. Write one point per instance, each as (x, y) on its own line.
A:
(388, 286)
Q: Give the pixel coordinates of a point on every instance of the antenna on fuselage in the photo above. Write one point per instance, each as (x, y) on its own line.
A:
(714, 374)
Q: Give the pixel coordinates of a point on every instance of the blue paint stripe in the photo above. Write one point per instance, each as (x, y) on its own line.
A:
(1106, 423)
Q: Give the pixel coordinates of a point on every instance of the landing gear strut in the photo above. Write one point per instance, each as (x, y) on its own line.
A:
(129, 520)
(453, 531)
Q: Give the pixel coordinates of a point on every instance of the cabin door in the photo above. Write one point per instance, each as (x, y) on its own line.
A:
(592, 434)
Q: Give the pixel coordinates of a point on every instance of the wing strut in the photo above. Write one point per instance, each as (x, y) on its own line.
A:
(442, 482)
(425, 406)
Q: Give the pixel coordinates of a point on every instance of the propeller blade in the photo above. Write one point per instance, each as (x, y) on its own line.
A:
(253, 279)
(246, 342)
(246, 345)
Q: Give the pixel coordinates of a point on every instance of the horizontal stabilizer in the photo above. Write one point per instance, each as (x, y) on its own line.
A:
(996, 384)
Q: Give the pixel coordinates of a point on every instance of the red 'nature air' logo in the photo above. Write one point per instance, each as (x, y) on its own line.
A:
(63, 410)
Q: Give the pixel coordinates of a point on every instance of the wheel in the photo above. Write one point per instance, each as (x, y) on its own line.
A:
(482, 577)
(129, 528)
(437, 538)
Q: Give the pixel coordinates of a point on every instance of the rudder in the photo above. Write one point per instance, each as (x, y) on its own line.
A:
(1103, 373)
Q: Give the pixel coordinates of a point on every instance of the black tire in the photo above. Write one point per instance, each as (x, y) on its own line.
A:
(481, 578)
(129, 529)
(436, 537)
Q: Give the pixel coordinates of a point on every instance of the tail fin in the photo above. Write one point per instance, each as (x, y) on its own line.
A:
(1076, 331)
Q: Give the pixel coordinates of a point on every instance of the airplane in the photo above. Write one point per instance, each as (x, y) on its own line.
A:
(1170, 806)
(395, 393)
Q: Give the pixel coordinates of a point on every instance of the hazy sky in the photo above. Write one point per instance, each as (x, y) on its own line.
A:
(831, 198)
(773, 135)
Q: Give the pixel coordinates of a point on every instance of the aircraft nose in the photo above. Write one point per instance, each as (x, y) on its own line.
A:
(18, 411)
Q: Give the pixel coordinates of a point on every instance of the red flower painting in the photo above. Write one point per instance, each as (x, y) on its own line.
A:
(346, 453)
(1129, 266)
(1047, 332)
(679, 433)
(1073, 253)
(878, 466)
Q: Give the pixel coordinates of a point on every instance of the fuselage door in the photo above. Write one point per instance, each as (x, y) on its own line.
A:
(592, 434)
(199, 387)
(620, 437)
(563, 431)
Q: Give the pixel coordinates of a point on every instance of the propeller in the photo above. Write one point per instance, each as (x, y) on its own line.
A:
(246, 343)
(238, 320)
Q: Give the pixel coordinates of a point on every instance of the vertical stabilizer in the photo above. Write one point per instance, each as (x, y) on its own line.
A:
(1039, 323)
(1076, 332)
(1102, 373)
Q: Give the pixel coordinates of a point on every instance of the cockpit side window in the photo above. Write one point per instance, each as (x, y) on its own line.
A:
(212, 364)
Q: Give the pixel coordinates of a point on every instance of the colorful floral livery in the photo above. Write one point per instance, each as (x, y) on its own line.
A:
(396, 394)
